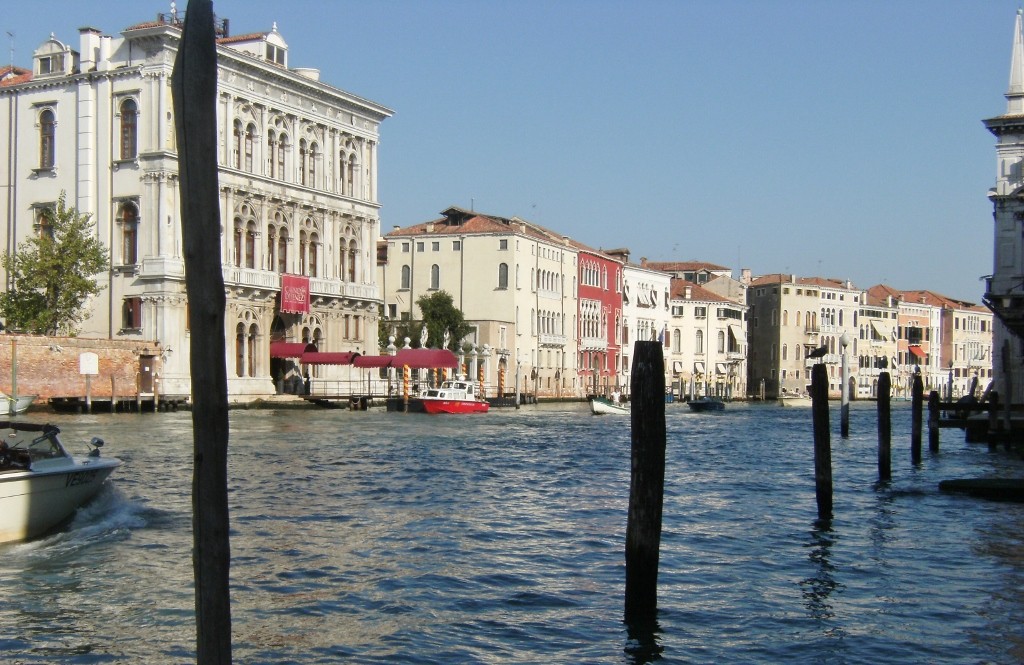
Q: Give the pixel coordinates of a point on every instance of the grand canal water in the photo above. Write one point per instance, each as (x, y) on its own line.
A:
(389, 538)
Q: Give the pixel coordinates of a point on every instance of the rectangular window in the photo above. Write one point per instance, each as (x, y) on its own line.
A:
(131, 314)
(419, 247)
(502, 244)
(435, 246)
(405, 247)
(457, 245)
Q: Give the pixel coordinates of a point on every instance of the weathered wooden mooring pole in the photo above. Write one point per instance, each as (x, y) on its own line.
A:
(647, 481)
(884, 427)
(194, 89)
(822, 441)
(933, 421)
(916, 418)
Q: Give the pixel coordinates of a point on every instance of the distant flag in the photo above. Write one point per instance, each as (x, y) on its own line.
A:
(661, 335)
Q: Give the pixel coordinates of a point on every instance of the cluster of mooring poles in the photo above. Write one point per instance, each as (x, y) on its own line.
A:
(647, 479)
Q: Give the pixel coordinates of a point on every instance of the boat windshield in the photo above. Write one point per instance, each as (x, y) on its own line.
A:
(40, 447)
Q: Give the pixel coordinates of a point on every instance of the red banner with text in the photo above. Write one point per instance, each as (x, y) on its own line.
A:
(294, 294)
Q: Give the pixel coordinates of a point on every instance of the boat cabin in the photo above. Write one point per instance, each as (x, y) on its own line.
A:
(458, 389)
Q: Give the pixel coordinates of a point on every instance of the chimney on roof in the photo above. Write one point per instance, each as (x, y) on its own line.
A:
(89, 47)
(745, 276)
(430, 227)
(688, 292)
(792, 279)
(396, 228)
(643, 261)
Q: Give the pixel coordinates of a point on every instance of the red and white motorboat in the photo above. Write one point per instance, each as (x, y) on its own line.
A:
(457, 396)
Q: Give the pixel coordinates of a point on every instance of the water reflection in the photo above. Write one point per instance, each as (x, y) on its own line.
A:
(643, 642)
(818, 589)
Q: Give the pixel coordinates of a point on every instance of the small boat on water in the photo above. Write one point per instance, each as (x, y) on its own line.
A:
(457, 396)
(795, 399)
(600, 406)
(706, 403)
(15, 406)
(41, 483)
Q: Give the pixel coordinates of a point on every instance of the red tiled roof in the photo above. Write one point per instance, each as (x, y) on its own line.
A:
(457, 221)
(251, 37)
(11, 75)
(923, 297)
(697, 292)
(679, 266)
(779, 278)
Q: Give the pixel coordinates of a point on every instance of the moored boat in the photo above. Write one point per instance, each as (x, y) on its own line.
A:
(795, 399)
(600, 406)
(41, 483)
(457, 396)
(706, 403)
(13, 406)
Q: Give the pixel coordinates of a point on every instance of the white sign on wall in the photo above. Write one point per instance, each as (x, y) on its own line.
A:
(88, 363)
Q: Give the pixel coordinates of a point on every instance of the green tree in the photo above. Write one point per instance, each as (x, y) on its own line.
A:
(440, 315)
(52, 274)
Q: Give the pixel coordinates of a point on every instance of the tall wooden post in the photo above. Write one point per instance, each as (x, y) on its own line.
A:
(884, 427)
(933, 421)
(916, 418)
(647, 481)
(822, 441)
(194, 88)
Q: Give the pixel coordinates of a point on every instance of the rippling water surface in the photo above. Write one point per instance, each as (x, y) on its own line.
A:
(390, 538)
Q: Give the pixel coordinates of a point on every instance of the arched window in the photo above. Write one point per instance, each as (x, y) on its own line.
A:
(47, 128)
(435, 276)
(250, 245)
(240, 350)
(312, 164)
(721, 341)
(677, 341)
(238, 241)
(271, 154)
(238, 133)
(502, 275)
(406, 277)
(314, 254)
(785, 351)
(129, 218)
(271, 257)
(352, 254)
(251, 351)
(302, 161)
(785, 317)
(282, 251)
(129, 129)
(303, 245)
(698, 346)
(282, 150)
(250, 139)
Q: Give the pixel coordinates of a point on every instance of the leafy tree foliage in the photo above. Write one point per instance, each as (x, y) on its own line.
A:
(52, 274)
(439, 315)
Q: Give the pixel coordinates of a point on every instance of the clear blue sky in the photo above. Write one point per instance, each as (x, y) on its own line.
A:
(839, 139)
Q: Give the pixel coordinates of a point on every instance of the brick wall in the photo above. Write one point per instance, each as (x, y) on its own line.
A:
(49, 366)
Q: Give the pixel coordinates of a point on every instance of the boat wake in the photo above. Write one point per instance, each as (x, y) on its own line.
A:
(110, 516)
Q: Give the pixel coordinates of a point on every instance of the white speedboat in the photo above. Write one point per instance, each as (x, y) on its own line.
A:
(795, 399)
(14, 406)
(41, 484)
(600, 406)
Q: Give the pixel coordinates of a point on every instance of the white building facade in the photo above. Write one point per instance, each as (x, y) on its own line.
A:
(298, 191)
